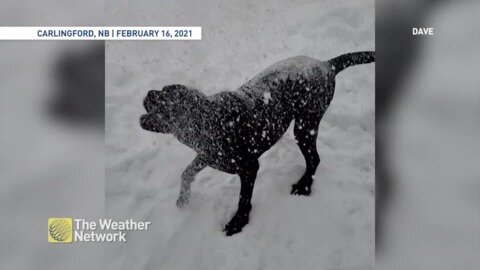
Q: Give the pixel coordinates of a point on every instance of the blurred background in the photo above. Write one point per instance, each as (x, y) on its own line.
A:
(428, 135)
(51, 135)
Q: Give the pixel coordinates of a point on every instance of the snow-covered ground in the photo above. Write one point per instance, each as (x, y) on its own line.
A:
(332, 229)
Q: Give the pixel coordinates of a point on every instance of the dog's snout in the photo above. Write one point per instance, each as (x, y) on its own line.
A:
(151, 101)
(147, 104)
(151, 122)
(149, 119)
(153, 94)
(143, 119)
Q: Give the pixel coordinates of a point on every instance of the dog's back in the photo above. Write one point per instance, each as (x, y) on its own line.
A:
(278, 81)
(284, 88)
(256, 115)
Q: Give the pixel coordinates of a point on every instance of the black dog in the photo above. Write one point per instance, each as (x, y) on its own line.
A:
(231, 130)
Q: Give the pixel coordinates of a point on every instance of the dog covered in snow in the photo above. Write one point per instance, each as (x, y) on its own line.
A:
(231, 130)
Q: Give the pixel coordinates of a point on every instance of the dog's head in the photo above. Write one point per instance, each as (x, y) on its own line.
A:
(166, 107)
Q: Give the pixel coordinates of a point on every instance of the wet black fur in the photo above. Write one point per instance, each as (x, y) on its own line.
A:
(231, 130)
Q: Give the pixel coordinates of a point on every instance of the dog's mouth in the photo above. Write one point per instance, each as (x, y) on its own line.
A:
(152, 122)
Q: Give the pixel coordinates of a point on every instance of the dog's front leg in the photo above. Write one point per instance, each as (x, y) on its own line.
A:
(247, 179)
(188, 176)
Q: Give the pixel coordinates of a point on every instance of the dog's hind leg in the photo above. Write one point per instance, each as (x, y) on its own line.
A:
(248, 174)
(305, 131)
(188, 176)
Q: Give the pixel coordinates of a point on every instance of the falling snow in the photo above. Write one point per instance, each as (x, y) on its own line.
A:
(267, 96)
(143, 180)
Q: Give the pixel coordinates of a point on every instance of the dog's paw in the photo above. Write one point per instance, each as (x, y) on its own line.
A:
(236, 224)
(182, 202)
(302, 190)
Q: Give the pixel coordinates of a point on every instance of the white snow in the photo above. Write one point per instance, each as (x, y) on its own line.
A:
(332, 229)
(267, 96)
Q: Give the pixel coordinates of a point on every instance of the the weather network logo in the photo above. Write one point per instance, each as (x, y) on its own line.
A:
(68, 230)
(60, 230)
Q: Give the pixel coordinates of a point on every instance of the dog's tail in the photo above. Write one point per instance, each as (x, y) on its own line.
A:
(343, 61)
